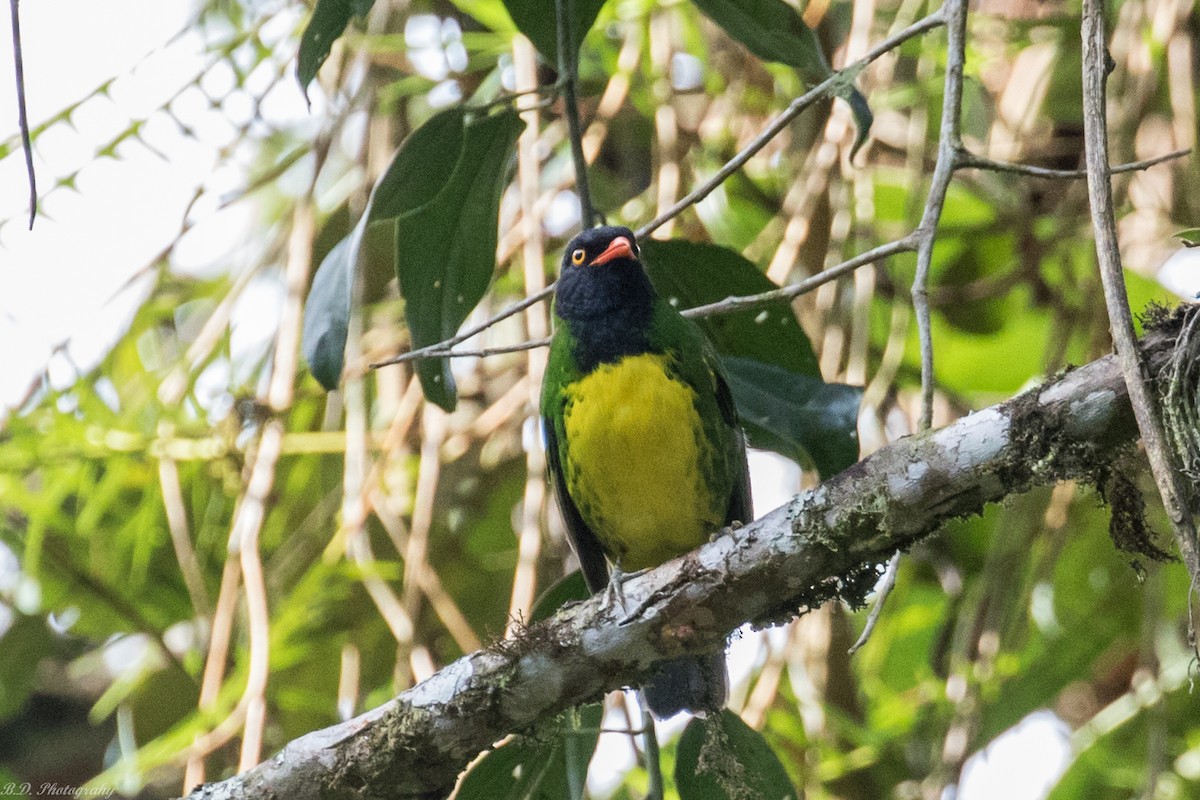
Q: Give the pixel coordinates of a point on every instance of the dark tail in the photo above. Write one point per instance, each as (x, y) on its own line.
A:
(691, 683)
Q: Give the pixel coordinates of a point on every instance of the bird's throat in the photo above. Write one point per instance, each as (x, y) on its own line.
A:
(608, 310)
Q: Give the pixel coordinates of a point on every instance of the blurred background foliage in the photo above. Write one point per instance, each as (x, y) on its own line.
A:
(203, 555)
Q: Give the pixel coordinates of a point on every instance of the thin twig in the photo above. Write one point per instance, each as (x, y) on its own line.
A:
(949, 145)
(748, 302)
(568, 64)
(441, 349)
(22, 114)
(214, 667)
(950, 148)
(818, 92)
(968, 160)
(244, 541)
(886, 584)
(1108, 256)
(727, 306)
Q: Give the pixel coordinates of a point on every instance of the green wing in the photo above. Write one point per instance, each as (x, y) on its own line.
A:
(560, 372)
(741, 505)
(700, 366)
(583, 541)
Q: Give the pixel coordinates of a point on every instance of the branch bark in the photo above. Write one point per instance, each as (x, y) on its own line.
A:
(826, 542)
(1163, 463)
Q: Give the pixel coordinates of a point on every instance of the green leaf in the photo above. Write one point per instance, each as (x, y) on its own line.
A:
(535, 19)
(774, 31)
(568, 589)
(26, 641)
(327, 311)
(724, 758)
(692, 274)
(796, 415)
(550, 767)
(329, 19)
(446, 249)
(1190, 237)
(420, 168)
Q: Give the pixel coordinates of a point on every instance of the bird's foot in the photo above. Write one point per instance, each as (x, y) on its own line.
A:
(614, 595)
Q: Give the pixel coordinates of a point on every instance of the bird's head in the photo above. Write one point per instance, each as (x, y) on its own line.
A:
(604, 294)
(602, 276)
(608, 246)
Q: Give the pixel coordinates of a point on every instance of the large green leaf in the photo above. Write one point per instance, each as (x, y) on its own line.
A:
(535, 19)
(327, 312)
(551, 767)
(446, 249)
(420, 168)
(799, 416)
(693, 274)
(329, 19)
(724, 758)
(774, 31)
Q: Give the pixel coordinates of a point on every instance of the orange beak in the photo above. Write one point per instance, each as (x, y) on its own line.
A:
(617, 248)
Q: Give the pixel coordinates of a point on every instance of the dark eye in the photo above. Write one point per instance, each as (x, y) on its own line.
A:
(578, 256)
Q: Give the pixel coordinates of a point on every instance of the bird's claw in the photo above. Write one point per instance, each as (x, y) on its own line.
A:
(614, 594)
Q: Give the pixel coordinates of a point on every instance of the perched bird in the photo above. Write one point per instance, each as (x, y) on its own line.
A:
(644, 449)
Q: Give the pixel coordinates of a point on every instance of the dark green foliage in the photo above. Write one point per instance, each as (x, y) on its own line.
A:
(774, 31)
(550, 765)
(446, 248)
(722, 758)
(535, 19)
(692, 274)
(329, 19)
(799, 416)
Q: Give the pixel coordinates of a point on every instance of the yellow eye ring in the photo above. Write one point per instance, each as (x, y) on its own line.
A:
(578, 256)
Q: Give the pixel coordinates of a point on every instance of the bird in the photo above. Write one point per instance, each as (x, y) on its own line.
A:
(644, 449)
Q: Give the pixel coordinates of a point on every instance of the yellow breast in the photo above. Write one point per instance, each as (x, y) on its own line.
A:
(634, 462)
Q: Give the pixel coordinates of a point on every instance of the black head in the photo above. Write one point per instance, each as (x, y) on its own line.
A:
(604, 294)
(608, 245)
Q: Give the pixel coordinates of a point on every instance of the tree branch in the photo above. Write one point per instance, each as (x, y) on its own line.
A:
(825, 542)
(949, 145)
(968, 160)
(1108, 255)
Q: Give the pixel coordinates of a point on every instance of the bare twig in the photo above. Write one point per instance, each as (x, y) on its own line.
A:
(751, 301)
(442, 348)
(949, 144)
(244, 536)
(727, 306)
(22, 114)
(968, 160)
(818, 92)
(886, 584)
(1108, 255)
(214, 668)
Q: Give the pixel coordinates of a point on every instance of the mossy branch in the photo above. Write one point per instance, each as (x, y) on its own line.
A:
(824, 543)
